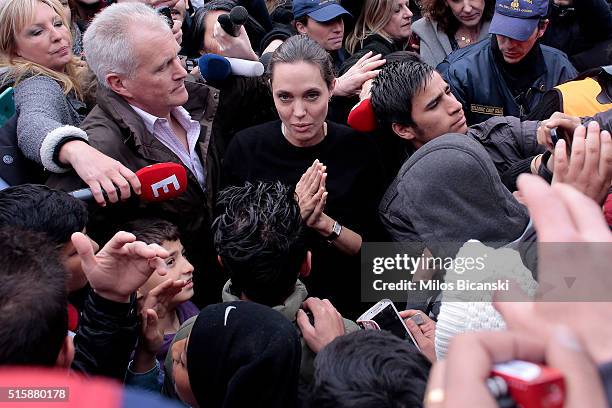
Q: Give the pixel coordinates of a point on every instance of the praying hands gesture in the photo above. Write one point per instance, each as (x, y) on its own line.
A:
(311, 195)
(121, 267)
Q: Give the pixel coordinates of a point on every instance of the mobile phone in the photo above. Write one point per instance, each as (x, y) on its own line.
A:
(7, 106)
(384, 316)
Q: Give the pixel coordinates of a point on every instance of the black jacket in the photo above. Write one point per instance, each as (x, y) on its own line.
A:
(375, 43)
(477, 82)
(106, 337)
(577, 29)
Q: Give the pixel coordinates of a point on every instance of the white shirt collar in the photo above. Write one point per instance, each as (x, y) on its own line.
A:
(150, 120)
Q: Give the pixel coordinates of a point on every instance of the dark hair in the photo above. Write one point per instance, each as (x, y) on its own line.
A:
(38, 208)
(33, 299)
(195, 41)
(302, 19)
(398, 56)
(301, 48)
(260, 239)
(440, 12)
(372, 369)
(153, 230)
(393, 89)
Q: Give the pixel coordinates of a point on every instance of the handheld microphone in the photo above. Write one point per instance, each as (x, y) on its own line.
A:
(160, 182)
(214, 67)
(362, 117)
(232, 22)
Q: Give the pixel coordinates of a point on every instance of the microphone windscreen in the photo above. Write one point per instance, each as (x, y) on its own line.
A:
(226, 23)
(239, 15)
(214, 67)
(162, 181)
(245, 67)
(362, 117)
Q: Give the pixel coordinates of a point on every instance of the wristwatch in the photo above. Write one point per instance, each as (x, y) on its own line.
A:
(335, 233)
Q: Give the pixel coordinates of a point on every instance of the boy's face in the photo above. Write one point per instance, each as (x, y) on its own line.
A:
(69, 257)
(179, 268)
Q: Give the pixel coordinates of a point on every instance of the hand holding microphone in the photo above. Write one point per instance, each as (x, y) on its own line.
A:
(159, 182)
(231, 37)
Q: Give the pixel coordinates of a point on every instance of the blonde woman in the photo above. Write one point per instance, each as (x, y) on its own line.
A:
(36, 58)
(383, 27)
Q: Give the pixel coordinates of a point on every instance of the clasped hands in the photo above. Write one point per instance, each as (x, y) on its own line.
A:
(311, 196)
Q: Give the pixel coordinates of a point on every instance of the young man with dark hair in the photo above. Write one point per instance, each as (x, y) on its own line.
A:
(108, 320)
(370, 368)
(259, 238)
(33, 318)
(56, 214)
(508, 74)
(412, 100)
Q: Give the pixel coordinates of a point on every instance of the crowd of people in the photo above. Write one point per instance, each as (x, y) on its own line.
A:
(424, 125)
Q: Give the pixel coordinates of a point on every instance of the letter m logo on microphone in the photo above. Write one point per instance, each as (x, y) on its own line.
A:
(162, 181)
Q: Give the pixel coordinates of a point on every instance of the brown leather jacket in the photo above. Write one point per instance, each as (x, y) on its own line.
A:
(116, 130)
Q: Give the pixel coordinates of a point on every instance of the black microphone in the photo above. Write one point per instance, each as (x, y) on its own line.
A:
(232, 22)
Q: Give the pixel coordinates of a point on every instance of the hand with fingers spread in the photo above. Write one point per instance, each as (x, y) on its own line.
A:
(424, 333)
(566, 122)
(99, 171)
(328, 323)
(365, 68)
(576, 220)
(452, 385)
(122, 266)
(589, 168)
(159, 298)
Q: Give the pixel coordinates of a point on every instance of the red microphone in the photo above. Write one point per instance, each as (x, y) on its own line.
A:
(362, 117)
(160, 182)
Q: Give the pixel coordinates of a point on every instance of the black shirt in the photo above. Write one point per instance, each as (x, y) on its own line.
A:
(354, 183)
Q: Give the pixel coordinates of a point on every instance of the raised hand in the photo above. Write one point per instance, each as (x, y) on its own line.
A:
(122, 266)
(364, 69)
(589, 168)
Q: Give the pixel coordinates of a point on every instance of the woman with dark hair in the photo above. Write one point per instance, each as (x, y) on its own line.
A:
(448, 25)
(337, 170)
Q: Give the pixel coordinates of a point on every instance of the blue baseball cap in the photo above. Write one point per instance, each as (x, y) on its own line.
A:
(517, 19)
(319, 10)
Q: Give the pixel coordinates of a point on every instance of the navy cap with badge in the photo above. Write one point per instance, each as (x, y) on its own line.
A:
(319, 10)
(517, 19)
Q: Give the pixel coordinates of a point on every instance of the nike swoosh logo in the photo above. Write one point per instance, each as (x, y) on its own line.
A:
(227, 312)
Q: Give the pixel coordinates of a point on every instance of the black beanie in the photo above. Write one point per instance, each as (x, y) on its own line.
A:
(243, 354)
